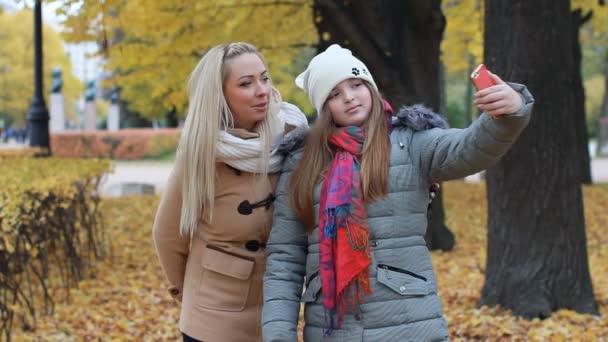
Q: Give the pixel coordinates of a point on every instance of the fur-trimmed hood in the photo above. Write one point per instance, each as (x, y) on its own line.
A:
(416, 117)
(419, 118)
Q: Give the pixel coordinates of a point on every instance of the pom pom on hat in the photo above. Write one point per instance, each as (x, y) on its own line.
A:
(329, 68)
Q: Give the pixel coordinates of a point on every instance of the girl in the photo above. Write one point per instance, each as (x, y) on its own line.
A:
(351, 206)
(214, 218)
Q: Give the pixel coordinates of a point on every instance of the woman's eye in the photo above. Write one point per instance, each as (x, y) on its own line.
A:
(355, 85)
(265, 79)
(245, 84)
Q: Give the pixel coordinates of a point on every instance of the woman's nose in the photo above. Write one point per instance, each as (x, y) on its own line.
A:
(262, 89)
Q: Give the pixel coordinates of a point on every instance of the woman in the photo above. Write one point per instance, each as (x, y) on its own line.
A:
(351, 206)
(214, 219)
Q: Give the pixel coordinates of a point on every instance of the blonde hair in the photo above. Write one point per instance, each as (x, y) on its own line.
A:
(208, 113)
(318, 155)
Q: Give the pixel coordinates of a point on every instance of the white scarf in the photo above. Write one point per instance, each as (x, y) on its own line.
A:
(243, 153)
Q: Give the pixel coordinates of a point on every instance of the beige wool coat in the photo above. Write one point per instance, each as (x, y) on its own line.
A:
(217, 274)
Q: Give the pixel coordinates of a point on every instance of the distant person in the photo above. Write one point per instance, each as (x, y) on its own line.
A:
(8, 134)
(351, 206)
(21, 135)
(213, 221)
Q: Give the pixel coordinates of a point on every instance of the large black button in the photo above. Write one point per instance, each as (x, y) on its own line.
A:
(253, 245)
(245, 208)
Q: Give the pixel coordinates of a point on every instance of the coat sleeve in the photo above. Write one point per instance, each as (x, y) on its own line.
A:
(285, 267)
(172, 248)
(445, 154)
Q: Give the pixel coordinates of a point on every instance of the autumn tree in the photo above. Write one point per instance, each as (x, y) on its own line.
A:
(602, 141)
(537, 255)
(462, 44)
(596, 37)
(462, 50)
(583, 12)
(17, 69)
(150, 47)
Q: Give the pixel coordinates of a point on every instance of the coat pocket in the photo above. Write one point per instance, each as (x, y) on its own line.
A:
(403, 282)
(226, 280)
(313, 287)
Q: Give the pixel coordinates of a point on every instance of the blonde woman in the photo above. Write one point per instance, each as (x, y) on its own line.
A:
(214, 219)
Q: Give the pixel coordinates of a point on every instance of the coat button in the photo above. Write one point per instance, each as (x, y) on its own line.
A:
(373, 243)
(402, 289)
(253, 245)
(357, 317)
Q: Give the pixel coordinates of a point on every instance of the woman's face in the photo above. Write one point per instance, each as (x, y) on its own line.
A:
(247, 89)
(350, 102)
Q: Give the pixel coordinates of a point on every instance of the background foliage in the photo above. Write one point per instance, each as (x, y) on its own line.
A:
(17, 71)
(125, 144)
(50, 233)
(152, 47)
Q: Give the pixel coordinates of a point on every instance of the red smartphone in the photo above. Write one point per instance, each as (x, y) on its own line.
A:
(481, 78)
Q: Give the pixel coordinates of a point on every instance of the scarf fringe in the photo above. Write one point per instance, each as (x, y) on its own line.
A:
(330, 320)
(359, 286)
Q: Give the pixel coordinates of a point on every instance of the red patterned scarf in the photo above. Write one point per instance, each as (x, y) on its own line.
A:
(343, 230)
(344, 253)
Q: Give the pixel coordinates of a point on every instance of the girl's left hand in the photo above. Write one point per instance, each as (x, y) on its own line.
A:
(499, 99)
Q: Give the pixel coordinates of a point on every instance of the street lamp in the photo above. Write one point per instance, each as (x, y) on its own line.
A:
(38, 115)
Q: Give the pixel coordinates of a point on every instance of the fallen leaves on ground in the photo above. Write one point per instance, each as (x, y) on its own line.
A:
(460, 275)
(126, 300)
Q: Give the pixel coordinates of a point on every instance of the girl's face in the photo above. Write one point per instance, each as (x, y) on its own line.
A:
(247, 88)
(350, 102)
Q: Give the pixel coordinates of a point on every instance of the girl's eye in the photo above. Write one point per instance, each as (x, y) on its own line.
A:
(265, 79)
(355, 85)
(245, 84)
(331, 96)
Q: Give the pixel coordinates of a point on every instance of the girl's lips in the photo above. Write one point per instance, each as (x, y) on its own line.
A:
(353, 109)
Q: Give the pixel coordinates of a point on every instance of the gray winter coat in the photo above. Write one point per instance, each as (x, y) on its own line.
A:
(404, 305)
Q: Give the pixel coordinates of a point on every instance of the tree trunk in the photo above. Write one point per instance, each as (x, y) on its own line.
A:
(537, 252)
(578, 93)
(171, 117)
(399, 43)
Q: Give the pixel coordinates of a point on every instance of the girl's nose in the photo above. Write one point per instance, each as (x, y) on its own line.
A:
(348, 97)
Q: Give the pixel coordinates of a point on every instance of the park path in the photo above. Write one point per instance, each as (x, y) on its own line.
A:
(156, 173)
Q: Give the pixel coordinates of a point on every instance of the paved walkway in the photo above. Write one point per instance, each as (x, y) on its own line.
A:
(143, 172)
(156, 174)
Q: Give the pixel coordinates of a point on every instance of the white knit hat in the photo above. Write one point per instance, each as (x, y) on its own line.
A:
(326, 70)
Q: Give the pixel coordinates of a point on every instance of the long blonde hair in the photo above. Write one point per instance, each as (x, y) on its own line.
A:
(318, 155)
(208, 113)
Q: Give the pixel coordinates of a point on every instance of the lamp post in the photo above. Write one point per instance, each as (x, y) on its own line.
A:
(38, 115)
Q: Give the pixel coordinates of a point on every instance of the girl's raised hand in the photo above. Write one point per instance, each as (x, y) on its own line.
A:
(499, 99)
